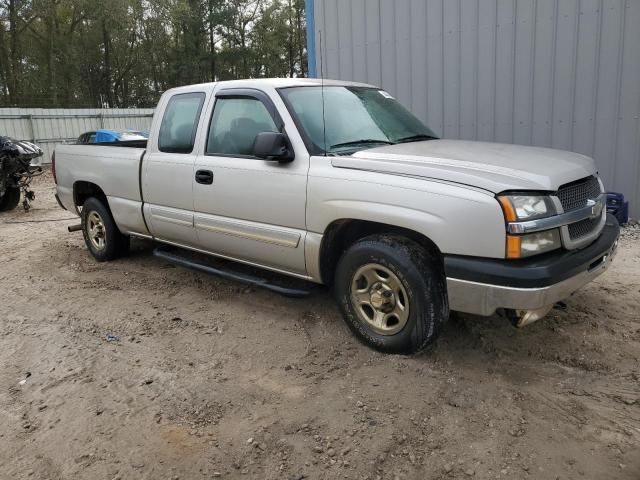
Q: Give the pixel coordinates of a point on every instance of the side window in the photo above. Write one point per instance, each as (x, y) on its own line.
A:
(180, 122)
(235, 124)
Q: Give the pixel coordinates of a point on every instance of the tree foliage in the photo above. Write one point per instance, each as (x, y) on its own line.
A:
(125, 53)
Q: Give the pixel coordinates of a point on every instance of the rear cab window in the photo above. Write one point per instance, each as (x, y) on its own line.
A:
(180, 122)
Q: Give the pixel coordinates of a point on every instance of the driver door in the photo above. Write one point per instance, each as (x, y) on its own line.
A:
(248, 208)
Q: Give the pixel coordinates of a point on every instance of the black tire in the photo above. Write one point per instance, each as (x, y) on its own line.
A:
(420, 274)
(114, 243)
(10, 199)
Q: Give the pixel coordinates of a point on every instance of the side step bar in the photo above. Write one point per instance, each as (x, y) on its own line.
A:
(230, 275)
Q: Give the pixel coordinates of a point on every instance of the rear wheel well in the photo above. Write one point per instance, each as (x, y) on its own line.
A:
(341, 234)
(83, 190)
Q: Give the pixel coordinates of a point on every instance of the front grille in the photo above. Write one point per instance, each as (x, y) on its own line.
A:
(575, 195)
(583, 227)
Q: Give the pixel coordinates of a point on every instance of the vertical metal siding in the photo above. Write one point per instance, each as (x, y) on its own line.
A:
(49, 127)
(555, 73)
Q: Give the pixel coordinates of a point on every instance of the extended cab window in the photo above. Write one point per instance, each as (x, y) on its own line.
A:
(235, 124)
(180, 122)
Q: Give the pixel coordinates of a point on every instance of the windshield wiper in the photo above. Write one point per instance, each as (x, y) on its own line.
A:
(416, 138)
(364, 141)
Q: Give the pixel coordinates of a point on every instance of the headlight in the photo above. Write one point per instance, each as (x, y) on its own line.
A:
(523, 208)
(520, 246)
(526, 207)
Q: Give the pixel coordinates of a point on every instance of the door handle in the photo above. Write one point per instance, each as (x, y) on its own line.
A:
(205, 177)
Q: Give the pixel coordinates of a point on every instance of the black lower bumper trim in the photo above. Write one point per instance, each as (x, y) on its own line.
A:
(534, 272)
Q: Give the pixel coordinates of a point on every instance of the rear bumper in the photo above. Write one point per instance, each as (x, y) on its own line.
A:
(482, 286)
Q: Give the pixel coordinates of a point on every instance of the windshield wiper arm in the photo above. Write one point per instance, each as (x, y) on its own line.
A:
(415, 138)
(364, 141)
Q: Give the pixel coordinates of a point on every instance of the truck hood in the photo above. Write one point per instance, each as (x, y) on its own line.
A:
(491, 166)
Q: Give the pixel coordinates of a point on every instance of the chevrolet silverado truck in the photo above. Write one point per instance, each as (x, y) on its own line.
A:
(336, 183)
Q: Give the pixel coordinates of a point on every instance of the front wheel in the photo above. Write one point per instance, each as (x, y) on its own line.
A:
(392, 293)
(10, 199)
(100, 232)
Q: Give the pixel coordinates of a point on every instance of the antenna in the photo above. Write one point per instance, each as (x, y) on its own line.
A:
(324, 119)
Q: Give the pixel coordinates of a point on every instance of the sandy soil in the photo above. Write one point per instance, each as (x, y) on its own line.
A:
(206, 378)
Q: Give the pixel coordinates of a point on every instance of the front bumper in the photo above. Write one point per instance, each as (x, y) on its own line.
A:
(481, 286)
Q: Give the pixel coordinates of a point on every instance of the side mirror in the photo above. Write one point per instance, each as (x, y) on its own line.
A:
(272, 146)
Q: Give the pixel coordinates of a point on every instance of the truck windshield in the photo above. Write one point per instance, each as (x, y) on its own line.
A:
(355, 118)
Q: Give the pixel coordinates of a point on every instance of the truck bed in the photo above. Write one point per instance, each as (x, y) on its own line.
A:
(115, 168)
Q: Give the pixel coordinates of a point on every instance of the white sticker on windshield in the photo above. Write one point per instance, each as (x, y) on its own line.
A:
(385, 94)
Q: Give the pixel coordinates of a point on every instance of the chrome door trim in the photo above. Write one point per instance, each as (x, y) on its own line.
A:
(171, 215)
(248, 230)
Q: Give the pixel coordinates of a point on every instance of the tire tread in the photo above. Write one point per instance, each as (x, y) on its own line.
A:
(420, 264)
(117, 243)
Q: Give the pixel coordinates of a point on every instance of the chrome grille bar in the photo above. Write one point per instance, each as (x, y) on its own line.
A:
(592, 209)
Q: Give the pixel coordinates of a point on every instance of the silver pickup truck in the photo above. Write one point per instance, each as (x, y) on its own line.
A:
(337, 183)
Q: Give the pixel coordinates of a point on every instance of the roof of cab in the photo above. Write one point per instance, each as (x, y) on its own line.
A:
(273, 83)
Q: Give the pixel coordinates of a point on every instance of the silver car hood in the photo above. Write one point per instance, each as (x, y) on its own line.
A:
(491, 166)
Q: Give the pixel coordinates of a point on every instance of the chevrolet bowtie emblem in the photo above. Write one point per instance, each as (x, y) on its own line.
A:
(596, 207)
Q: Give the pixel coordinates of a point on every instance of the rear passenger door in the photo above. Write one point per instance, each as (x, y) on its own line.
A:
(245, 207)
(167, 177)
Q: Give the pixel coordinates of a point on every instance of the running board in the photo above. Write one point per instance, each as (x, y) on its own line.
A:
(230, 275)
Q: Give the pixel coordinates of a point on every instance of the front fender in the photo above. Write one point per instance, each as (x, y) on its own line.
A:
(458, 219)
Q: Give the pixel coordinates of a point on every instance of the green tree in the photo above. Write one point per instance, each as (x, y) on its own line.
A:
(127, 52)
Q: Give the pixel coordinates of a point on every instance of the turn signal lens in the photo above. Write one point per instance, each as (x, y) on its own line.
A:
(507, 208)
(513, 246)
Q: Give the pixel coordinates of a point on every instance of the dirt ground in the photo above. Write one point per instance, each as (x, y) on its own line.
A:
(139, 370)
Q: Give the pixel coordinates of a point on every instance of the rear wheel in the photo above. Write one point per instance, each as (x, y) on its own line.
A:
(10, 199)
(101, 234)
(392, 293)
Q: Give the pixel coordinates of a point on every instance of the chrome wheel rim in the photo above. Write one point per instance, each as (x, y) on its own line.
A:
(379, 299)
(96, 230)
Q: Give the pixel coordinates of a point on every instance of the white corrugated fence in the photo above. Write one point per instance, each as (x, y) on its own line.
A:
(48, 127)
